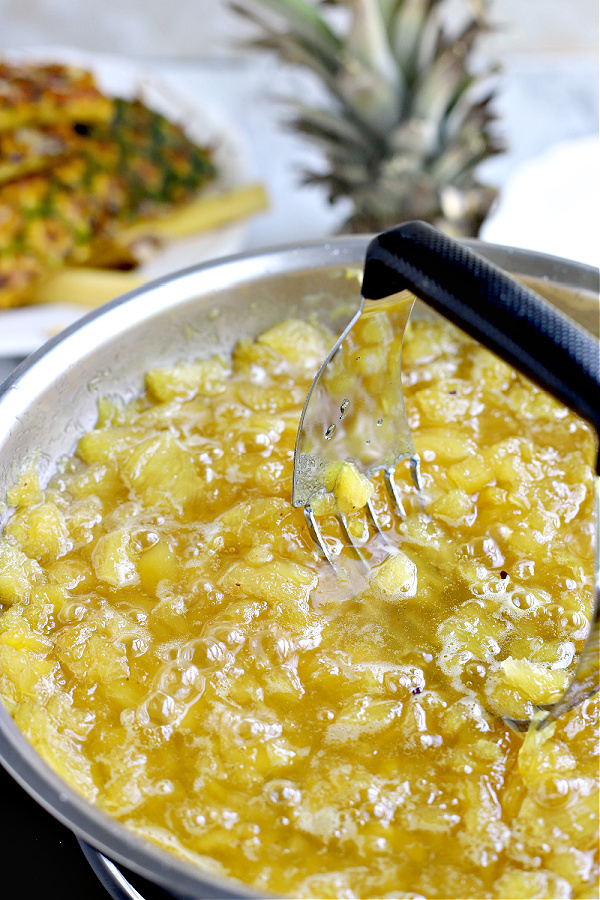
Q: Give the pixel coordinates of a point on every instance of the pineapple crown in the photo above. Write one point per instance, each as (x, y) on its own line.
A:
(409, 120)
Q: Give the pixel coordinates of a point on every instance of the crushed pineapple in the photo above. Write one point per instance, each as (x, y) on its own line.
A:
(536, 683)
(396, 576)
(175, 649)
(351, 489)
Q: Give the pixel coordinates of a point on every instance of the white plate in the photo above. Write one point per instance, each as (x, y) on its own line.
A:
(24, 329)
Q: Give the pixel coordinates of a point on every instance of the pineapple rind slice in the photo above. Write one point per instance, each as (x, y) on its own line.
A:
(106, 173)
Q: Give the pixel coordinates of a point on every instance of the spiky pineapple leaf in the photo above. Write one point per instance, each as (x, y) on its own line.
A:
(409, 121)
(307, 24)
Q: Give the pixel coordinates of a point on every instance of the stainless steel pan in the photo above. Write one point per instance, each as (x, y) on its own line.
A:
(51, 399)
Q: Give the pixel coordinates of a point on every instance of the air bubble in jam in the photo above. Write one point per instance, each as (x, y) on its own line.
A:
(330, 431)
(344, 408)
(380, 421)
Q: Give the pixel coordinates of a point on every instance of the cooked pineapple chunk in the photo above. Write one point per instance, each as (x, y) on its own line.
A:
(285, 585)
(440, 407)
(168, 618)
(372, 361)
(156, 563)
(351, 489)
(282, 685)
(72, 574)
(92, 657)
(323, 504)
(264, 521)
(41, 531)
(471, 474)
(124, 692)
(454, 507)
(535, 683)
(426, 339)
(254, 360)
(168, 841)
(269, 399)
(125, 790)
(58, 749)
(297, 341)
(114, 559)
(204, 377)
(18, 634)
(100, 479)
(31, 673)
(489, 369)
(46, 603)
(376, 329)
(105, 445)
(396, 576)
(444, 444)
(508, 460)
(530, 402)
(27, 491)
(162, 473)
(17, 572)
(362, 716)
(516, 883)
(82, 518)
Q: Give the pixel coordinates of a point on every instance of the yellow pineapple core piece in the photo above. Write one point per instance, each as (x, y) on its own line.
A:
(535, 683)
(351, 489)
(395, 576)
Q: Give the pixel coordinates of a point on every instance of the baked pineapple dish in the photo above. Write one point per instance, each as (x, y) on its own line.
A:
(91, 184)
(176, 649)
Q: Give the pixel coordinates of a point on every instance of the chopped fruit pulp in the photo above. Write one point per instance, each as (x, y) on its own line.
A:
(174, 648)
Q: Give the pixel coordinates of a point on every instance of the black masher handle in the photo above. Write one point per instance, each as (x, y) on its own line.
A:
(491, 306)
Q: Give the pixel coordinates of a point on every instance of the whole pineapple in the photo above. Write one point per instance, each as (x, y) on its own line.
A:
(409, 123)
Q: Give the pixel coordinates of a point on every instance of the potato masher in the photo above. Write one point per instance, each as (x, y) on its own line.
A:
(339, 423)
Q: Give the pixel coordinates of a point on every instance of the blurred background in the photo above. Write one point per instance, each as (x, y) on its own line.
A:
(547, 103)
(203, 29)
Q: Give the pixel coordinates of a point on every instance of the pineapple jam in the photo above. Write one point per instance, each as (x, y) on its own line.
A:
(174, 648)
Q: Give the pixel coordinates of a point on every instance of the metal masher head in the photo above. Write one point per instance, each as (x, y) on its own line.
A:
(354, 413)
